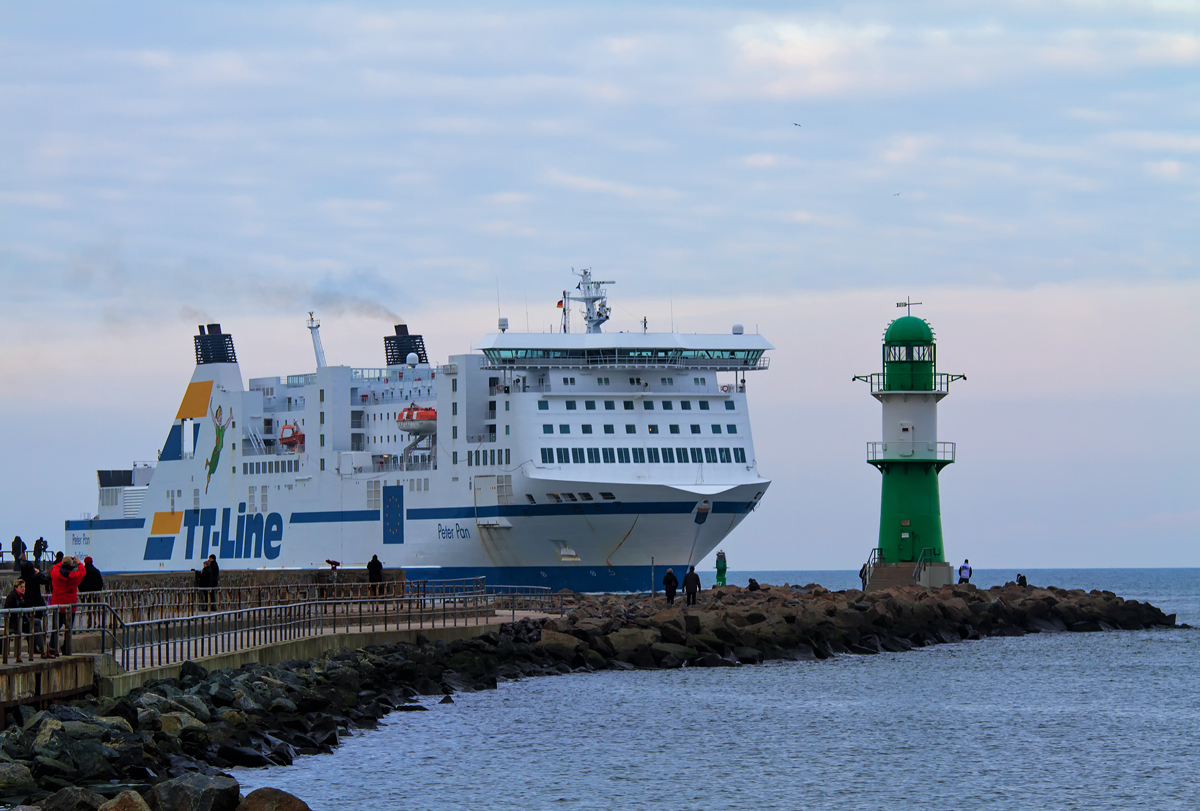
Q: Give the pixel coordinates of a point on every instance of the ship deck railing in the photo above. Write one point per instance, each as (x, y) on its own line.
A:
(619, 363)
(206, 627)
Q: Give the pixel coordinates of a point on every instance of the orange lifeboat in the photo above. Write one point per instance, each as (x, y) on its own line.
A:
(290, 436)
(417, 420)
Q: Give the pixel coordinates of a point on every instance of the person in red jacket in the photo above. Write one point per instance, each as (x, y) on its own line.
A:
(65, 578)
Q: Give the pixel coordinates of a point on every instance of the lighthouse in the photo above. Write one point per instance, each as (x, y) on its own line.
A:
(910, 457)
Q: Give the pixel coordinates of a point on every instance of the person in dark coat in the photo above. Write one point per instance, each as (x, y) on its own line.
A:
(691, 585)
(34, 581)
(16, 599)
(206, 580)
(670, 585)
(375, 574)
(18, 551)
(39, 548)
(92, 579)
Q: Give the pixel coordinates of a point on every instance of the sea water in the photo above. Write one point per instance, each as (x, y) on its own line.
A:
(1097, 721)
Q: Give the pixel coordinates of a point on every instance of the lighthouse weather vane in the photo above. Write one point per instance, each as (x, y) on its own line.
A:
(908, 303)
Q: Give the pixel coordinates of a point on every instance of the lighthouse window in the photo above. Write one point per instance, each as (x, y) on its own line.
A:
(543, 405)
(547, 428)
(731, 429)
(593, 457)
(570, 405)
(674, 429)
(639, 456)
(739, 455)
(608, 429)
(577, 455)
(716, 429)
(609, 456)
(648, 405)
(652, 429)
(564, 429)
(697, 456)
(686, 405)
(704, 405)
(668, 455)
(589, 405)
(547, 456)
(610, 405)
(725, 457)
(563, 455)
(710, 455)
(652, 455)
(587, 429)
(667, 405)
(695, 429)
(623, 455)
(628, 405)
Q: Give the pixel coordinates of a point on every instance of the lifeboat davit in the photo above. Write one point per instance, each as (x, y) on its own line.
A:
(290, 436)
(417, 420)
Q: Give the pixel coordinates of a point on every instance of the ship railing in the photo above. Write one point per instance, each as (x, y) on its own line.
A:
(609, 362)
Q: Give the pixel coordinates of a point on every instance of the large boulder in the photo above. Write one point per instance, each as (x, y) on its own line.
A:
(195, 792)
(628, 640)
(272, 799)
(126, 801)
(74, 798)
(561, 646)
(15, 780)
(174, 723)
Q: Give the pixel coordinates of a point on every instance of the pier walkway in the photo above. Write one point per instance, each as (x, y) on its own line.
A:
(104, 647)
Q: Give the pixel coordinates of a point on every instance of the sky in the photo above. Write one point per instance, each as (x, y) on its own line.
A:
(1029, 171)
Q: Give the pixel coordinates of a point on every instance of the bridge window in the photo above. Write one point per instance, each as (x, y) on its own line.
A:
(681, 455)
(739, 455)
(697, 456)
(652, 455)
(577, 455)
(725, 457)
(609, 456)
(639, 456)
(668, 455)
(593, 457)
(710, 455)
(547, 456)
(563, 455)
(623, 455)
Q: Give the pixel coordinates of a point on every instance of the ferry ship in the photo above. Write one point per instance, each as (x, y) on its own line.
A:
(580, 460)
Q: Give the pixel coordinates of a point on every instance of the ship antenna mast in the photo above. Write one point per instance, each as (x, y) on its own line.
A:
(591, 294)
(314, 326)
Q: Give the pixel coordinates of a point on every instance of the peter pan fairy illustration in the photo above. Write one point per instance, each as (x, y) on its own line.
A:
(218, 445)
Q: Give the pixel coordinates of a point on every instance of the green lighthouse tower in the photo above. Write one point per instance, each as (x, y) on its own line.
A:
(910, 457)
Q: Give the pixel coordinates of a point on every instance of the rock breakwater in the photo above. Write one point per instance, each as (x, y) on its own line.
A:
(202, 723)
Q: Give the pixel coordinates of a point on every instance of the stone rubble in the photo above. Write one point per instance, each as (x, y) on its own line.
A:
(166, 744)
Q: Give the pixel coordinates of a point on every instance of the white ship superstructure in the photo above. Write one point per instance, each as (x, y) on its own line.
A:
(562, 459)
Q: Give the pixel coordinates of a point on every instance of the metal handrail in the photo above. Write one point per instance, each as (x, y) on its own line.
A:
(873, 560)
(922, 563)
(172, 639)
(940, 384)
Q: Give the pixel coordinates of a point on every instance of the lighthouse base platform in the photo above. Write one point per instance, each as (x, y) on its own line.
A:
(891, 575)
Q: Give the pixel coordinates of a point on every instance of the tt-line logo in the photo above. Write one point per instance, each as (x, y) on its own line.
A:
(257, 535)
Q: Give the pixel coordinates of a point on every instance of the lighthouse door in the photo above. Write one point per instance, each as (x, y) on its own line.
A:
(907, 543)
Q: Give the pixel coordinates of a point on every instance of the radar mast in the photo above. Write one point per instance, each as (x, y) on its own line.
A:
(591, 294)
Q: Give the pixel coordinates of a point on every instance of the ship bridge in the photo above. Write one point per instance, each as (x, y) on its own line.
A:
(733, 353)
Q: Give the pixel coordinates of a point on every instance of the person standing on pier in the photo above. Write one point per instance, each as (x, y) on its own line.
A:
(670, 585)
(39, 548)
(65, 578)
(18, 552)
(964, 572)
(691, 585)
(375, 574)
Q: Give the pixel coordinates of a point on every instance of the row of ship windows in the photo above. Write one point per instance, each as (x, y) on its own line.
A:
(271, 466)
(640, 456)
(634, 381)
(491, 456)
(647, 405)
(547, 428)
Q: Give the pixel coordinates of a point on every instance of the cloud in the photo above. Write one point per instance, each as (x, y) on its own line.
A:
(592, 184)
(1165, 170)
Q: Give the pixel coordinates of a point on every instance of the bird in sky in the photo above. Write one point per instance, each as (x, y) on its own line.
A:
(794, 124)
(897, 194)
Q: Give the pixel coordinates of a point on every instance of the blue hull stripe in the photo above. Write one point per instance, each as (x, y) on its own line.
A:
(334, 517)
(107, 523)
(576, 577)
(586, 508)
